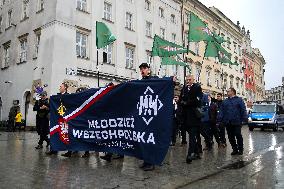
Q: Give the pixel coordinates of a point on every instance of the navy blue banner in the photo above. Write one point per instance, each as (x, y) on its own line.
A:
(132, 118)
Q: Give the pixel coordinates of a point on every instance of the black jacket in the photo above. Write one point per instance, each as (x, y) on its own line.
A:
(190, 98)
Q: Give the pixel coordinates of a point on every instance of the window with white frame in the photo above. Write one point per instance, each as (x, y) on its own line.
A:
(147, 5)
(197, 73)
(25, 9)
(81, 44)
(161, 12)
(217, 79)
(9, 19)
(40, 5)
(225, 83)
(231, 82)
(149, 57)
(173, 18)
(107, 11)
(37, 41)
(129, 20)
(208, 75)
(1, 21)
(6, 55)
(82, 5)
(148, 29)
(108, 50)
(235, 47)
(238, 84)
(174, 37)
(196, 48)
(228, 43)
(23, 49)
(129, 56)
(175, 70)
(162, 33)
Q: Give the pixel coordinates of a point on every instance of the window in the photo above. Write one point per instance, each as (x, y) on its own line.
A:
(175, 70)
(214, 30)
(1, 20)
(6, 56)
(197, 74)
(174, 37)
(25, 9)
(235, 47)
(240, 51)
(238, 84)
(162, 32)
(37, 34)
(148, 29)
(81, 44)
(147, 5)
(197, 48)
(161, 12)
(129, 55)
(23, 49)
(208, 75)
(187, 18)
(107, 11)
(108, 52)
(231, 82)
(129, 19)
(40, 5)
(82, 5)
(173, 18)
(228, 43)
(9, 19)
(217, 80)
(149, 58)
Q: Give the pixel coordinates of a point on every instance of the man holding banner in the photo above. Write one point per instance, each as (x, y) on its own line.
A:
(132, 118)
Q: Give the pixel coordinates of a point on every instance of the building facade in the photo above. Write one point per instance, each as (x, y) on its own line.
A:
(214, 76)
(276, 94)
(44, 43)
(259, 71)
(248, 61)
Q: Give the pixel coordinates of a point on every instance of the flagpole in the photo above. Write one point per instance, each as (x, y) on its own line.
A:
(98, 68)
(183, 40)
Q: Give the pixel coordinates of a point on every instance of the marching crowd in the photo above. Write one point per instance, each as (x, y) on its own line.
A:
(196, 113)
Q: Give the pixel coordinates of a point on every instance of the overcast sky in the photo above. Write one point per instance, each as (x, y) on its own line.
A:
(265, 20)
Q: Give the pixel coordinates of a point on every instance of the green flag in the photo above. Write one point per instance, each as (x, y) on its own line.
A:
(103, 35)
(164, 48)
(173, 61)
(198, 30)
(211, 49)
(218, 38)
(226, 59)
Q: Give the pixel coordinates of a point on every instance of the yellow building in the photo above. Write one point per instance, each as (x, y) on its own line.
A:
(259, 63)
(214, 76)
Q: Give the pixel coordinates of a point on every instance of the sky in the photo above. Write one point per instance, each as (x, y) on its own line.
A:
(265, 20)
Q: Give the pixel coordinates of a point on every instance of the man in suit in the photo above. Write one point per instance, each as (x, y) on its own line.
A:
(191, 96)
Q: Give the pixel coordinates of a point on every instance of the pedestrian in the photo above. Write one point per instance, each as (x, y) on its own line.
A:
(220, 126)
(18, 119)
(62, 91)
(209, 121)
(42, 108)
(191, 95)
(205, 129)
(176, 120)
(11, 120)
(233, 114)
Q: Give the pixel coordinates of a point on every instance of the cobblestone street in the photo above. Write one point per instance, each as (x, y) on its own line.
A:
(261, 166)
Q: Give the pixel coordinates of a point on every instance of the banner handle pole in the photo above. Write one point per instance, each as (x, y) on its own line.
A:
(98, 68)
